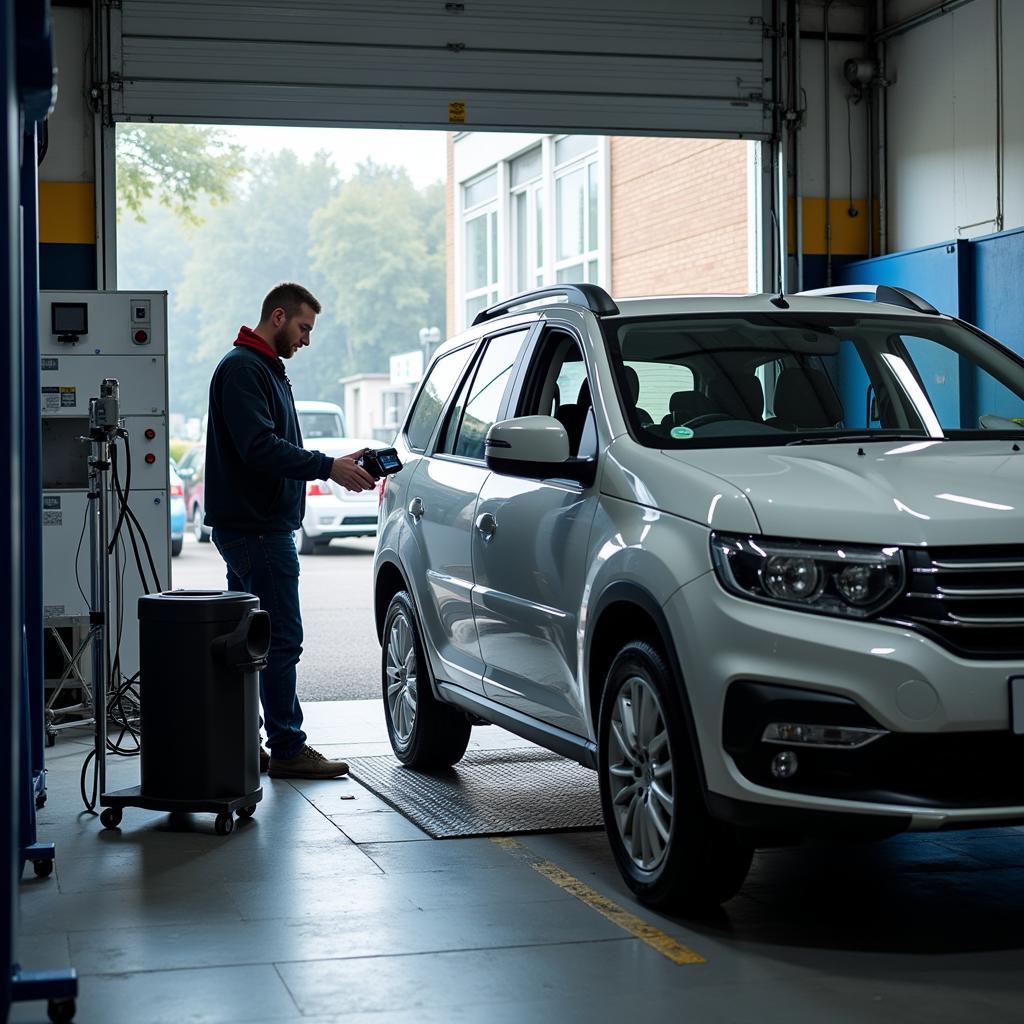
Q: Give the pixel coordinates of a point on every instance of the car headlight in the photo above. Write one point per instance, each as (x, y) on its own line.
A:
(833, 579)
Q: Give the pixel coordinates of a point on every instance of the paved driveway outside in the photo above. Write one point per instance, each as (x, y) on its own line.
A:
(341, 656)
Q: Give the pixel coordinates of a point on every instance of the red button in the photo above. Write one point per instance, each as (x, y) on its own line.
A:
(141, 336)
(150, 458)
(150, 433)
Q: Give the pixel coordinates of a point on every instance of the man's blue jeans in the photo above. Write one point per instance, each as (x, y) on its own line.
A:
(265, 564)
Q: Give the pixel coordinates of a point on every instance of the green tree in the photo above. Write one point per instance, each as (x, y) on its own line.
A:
(244, 248)
(178, 164)
(153, 255)
(379, 246)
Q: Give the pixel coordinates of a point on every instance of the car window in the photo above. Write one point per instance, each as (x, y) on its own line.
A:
(557, 386)
(321, 424)
(485, 394)
(781, 378)
(433, 395)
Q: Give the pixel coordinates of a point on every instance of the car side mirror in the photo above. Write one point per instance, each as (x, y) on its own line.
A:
(535, 447)
(186, 473)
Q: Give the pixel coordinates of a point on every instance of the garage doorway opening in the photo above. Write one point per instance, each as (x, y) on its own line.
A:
(404, 235)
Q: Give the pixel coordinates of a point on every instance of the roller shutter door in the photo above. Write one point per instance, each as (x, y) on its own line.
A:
(689, 67)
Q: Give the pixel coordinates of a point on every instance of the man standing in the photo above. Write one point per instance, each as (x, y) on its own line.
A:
(256, 473)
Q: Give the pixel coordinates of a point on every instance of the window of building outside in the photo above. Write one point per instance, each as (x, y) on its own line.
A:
(577, 239)
(552, 222)
(480, 219)
(394, 404)
(527, 220)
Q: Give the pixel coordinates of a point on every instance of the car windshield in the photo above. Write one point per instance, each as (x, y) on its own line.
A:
(789, 378)
(321, 424)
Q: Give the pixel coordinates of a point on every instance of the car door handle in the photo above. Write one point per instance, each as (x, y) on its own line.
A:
(416, 509)
(487, 525)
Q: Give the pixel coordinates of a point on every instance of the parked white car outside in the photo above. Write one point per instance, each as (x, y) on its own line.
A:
(331, 511)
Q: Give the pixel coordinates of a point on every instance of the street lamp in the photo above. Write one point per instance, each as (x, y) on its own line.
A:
(428, 336)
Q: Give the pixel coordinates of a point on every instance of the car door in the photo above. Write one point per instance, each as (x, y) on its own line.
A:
(530, 552)
(441, 504)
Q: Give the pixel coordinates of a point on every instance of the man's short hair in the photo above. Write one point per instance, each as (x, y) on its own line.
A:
(289, 297)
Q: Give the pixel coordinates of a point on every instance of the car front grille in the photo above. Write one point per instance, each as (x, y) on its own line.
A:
(969, 599)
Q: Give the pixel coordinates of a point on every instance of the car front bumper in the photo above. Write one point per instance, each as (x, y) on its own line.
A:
(949, 758)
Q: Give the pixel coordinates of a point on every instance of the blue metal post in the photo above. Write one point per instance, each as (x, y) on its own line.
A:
(39, 854)
(29, 96)
(10, 582)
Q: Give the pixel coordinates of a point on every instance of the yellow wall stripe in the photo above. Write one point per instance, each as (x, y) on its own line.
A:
(849, 234)
(654, 937)
(67, 212)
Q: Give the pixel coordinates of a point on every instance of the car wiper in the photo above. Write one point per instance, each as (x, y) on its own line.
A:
(877, 436)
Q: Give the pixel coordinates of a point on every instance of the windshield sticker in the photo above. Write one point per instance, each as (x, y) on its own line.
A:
(681, 433)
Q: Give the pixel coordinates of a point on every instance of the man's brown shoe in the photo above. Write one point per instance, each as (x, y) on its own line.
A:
(264, 760)
(307, 764)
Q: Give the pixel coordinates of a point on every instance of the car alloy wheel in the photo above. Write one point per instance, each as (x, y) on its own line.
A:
(640, 774)
(424, 732)
(402, 678)
(669, 849)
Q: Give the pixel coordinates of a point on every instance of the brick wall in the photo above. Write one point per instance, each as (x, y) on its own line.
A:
(678, 216)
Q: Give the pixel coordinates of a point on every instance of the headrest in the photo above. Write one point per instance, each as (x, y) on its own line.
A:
(687, 405)
(632, 384)
(741, 397)
(806, 398)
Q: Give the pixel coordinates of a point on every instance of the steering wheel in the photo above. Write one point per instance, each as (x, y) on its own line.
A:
(706, 418)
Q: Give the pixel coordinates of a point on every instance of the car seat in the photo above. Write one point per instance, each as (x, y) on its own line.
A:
(687, 405)
(740, 397)
(573, 416)
(633, 393)
(805, 399)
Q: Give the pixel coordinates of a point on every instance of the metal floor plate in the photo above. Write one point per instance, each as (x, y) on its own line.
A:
(488, 793)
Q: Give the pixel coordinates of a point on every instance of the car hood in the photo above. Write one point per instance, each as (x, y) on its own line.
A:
(895, 492)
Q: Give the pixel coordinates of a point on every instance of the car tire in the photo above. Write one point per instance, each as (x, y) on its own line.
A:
(176, 545)
(198, 530)
(670, 851)
(304, 543)
(424, 733)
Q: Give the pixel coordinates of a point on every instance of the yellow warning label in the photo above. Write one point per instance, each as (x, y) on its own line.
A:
(457, 112)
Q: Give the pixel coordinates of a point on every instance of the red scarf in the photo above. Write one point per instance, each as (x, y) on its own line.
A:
(248, 338)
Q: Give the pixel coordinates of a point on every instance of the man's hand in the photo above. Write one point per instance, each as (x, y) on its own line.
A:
(349, 475)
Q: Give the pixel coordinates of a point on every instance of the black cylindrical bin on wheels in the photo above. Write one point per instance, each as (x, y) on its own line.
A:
(200, 654)
(200, 696)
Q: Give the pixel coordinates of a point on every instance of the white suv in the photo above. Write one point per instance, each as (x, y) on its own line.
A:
(759, 561)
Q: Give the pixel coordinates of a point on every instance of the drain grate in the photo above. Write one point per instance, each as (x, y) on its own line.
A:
(488, 793)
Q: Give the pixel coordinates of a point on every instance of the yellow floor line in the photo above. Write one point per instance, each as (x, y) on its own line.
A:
(658, 940)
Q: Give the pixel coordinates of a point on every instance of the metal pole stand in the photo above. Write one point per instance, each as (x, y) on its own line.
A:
(104, 423)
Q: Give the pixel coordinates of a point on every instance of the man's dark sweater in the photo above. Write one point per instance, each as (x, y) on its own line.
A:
(256, 467)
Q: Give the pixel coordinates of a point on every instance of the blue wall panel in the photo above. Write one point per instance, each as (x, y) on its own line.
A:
(998, 279)
(940, 274)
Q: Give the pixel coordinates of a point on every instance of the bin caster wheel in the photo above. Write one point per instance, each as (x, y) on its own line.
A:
(224, 825)
(61, 1011)
(245, 813)
(110, 817)
(42, 868)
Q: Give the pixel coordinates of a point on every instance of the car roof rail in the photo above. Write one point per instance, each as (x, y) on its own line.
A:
(882, 293)
(591, 296)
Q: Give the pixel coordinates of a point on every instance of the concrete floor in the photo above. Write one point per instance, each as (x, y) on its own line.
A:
(324, 908)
